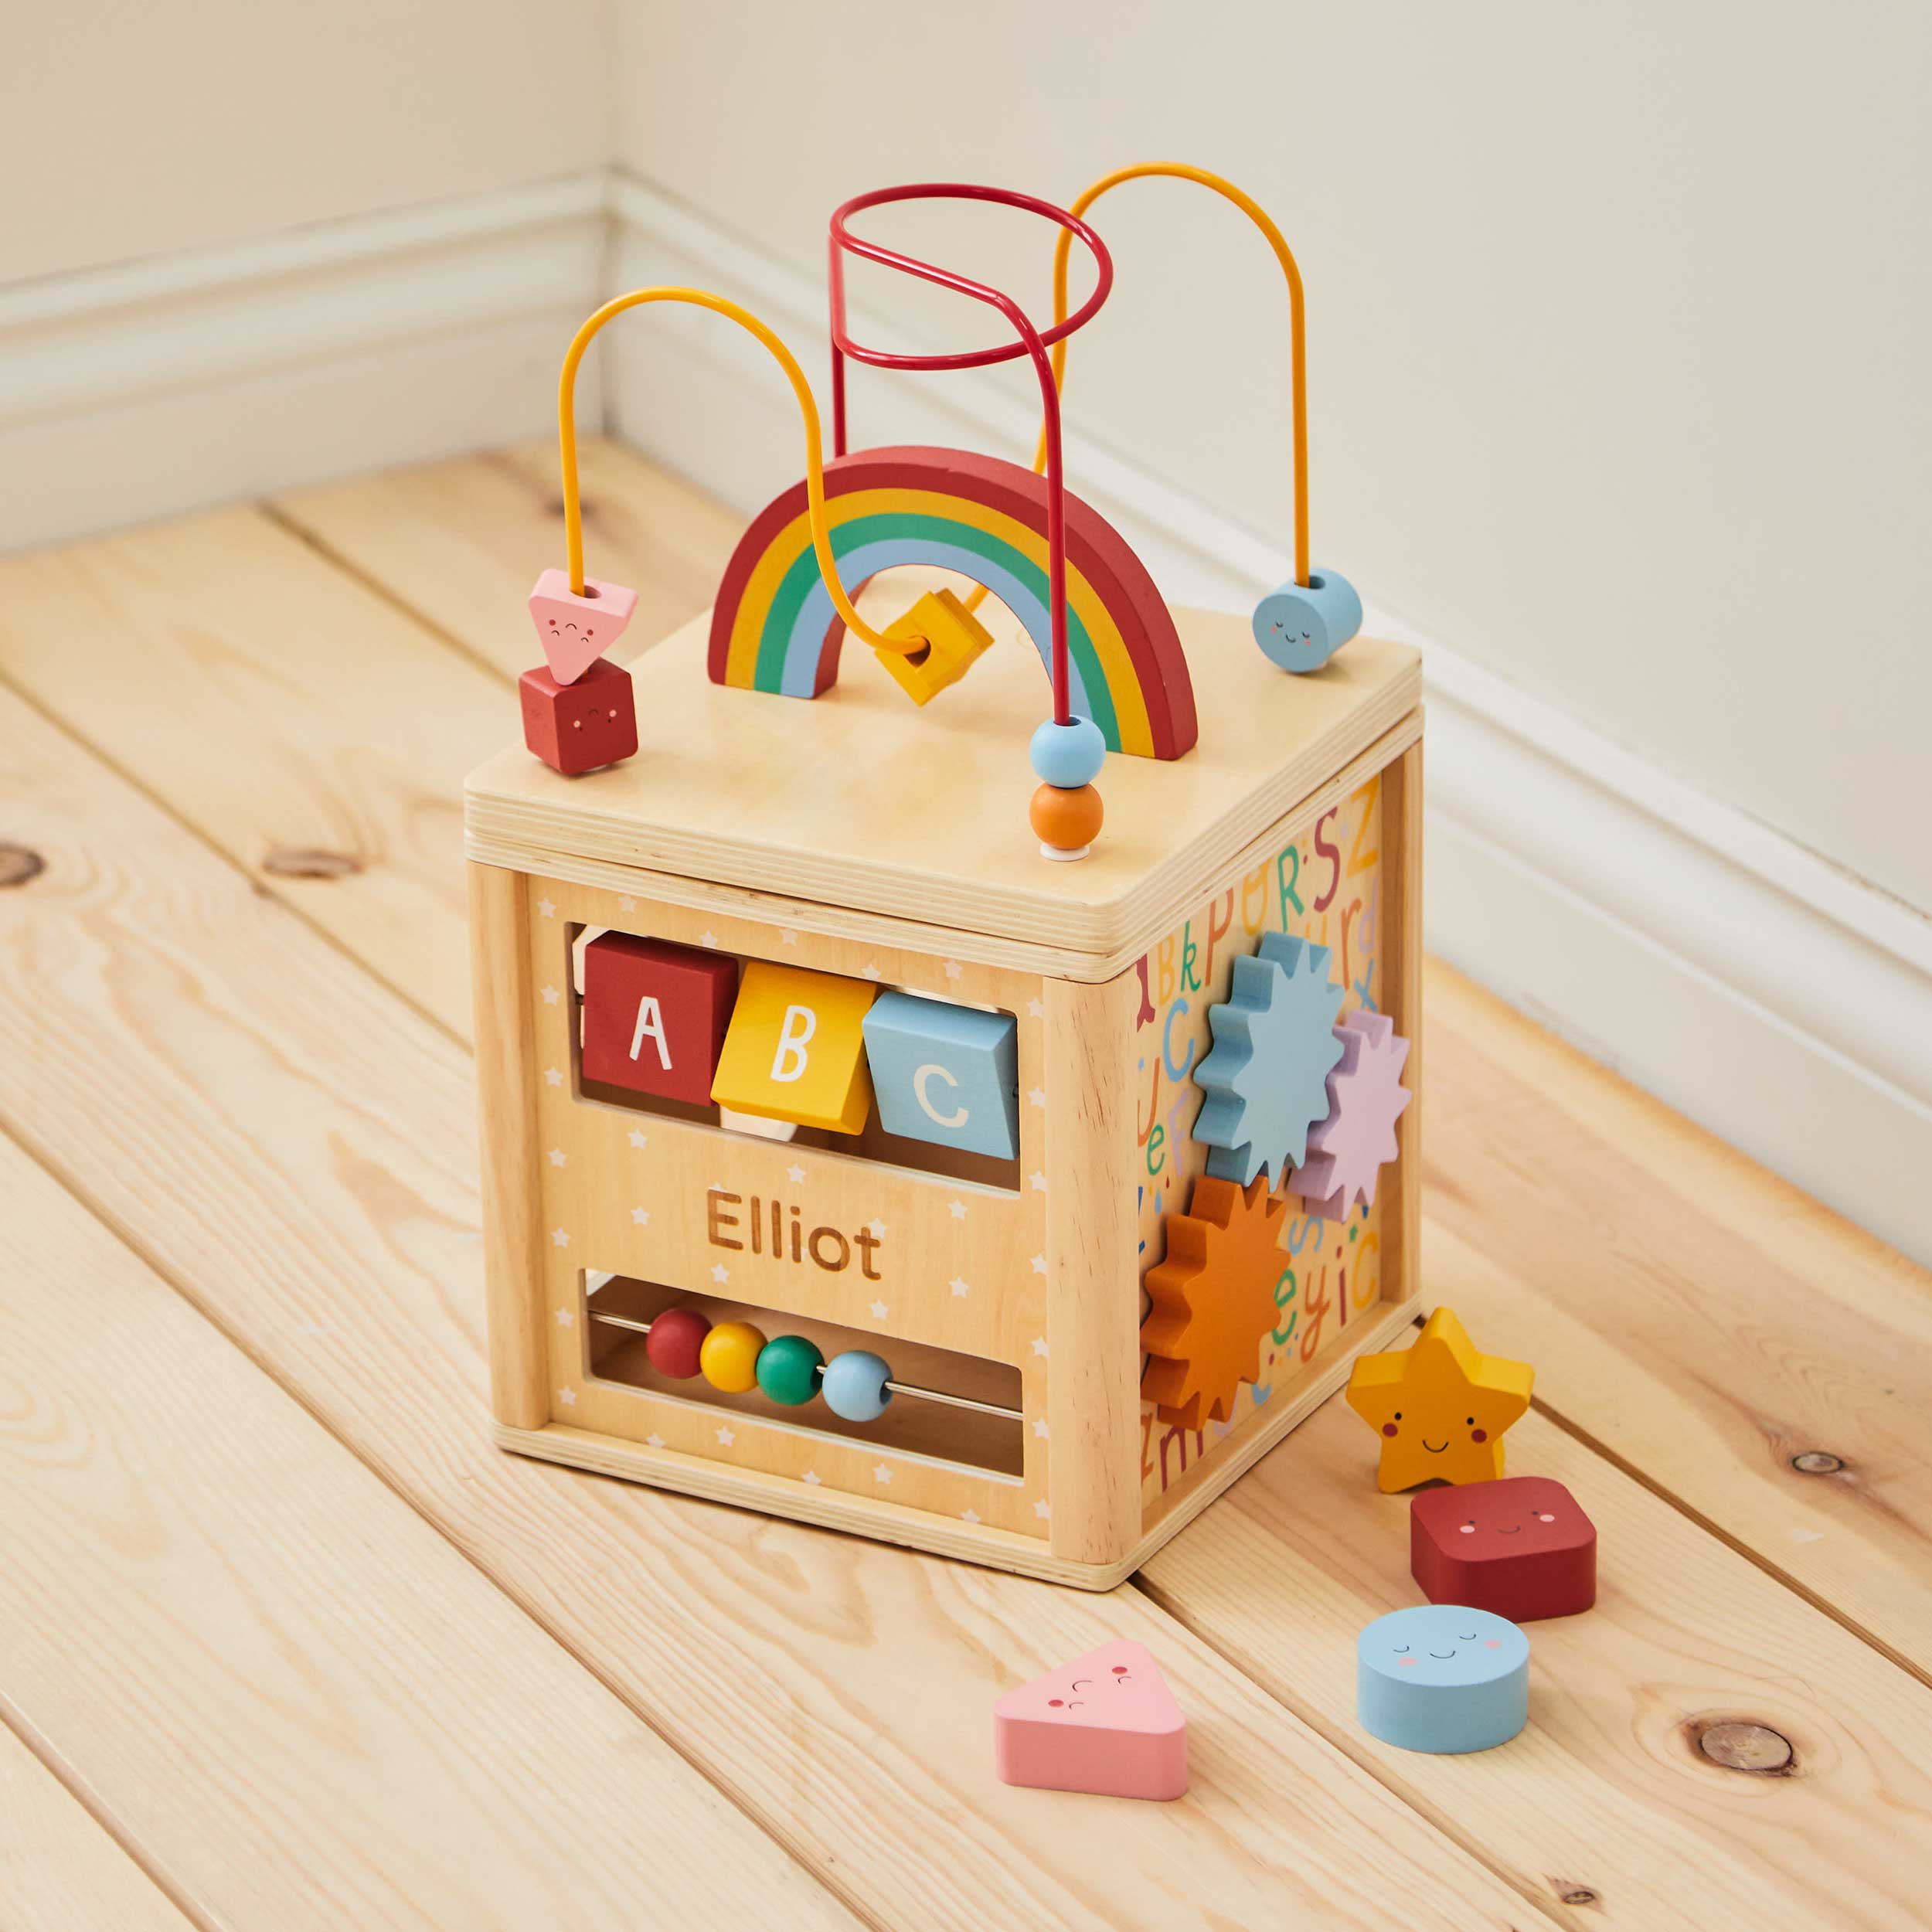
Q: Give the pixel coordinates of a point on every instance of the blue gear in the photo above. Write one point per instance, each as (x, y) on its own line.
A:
(1266, 1078)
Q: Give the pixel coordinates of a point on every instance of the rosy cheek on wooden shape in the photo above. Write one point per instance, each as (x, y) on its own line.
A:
(1467, 1529)
(1388, 1429)
(1478, 1435)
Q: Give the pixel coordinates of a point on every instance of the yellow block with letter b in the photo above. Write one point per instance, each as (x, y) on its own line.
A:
(796, 1049)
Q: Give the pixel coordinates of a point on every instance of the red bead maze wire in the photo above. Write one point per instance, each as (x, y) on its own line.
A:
(1031, 342)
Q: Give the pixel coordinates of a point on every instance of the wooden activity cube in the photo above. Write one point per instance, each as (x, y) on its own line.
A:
(861, 837)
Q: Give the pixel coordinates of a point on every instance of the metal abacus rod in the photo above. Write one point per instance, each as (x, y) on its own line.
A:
(896, 1388)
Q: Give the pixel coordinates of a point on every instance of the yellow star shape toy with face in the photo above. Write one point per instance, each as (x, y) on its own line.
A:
(1441, 1407)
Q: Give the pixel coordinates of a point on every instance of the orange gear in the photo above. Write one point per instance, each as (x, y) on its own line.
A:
(1214, 1298)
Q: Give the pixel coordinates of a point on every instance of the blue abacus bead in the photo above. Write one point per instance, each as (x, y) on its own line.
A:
(854, 1385)
(1300, 627)
(1069, 756)
(1442, 1677)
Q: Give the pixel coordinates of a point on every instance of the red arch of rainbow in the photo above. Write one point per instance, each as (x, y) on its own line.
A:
(773, 628)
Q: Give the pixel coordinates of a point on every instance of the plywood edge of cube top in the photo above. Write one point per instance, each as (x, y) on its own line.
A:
(859, 799)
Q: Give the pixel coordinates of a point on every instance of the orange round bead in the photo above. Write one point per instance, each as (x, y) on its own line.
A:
(1065, 820)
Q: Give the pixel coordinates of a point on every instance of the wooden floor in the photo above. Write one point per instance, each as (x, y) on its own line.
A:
(285, 1643)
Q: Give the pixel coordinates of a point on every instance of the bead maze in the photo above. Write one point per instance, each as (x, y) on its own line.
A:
(837, 1145)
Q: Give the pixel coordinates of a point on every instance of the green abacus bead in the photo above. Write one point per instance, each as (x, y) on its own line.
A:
(788, 1368)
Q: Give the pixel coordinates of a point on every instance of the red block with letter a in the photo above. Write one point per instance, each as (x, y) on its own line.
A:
(655, 1015)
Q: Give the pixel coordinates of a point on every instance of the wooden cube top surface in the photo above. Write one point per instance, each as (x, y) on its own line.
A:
(860, 799)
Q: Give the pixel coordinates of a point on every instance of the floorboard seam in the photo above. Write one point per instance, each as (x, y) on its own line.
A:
(1341, 1741)
(261, 887)
(57, 1769)
(118, 1227)
(319, 545)
(1758, 1558)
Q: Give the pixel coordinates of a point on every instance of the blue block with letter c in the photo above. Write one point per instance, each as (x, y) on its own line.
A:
(945, 1074)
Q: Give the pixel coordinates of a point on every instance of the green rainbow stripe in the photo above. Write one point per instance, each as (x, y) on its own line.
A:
(941, 534)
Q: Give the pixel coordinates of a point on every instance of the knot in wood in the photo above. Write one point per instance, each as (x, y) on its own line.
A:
(1817, 1462)
(308, 861)
(1747, 1747)
(1576, 1895)
(18, 865)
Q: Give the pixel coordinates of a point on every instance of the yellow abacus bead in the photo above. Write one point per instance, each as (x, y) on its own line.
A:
(729, 1359)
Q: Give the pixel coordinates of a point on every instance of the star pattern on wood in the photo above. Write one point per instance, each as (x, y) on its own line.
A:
(1213, 1300)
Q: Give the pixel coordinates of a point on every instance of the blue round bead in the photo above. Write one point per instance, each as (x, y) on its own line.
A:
(1300, 627)
(854, 1385)
(1069, 755)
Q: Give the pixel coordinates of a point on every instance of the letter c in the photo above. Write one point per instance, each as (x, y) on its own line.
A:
(932, 1113)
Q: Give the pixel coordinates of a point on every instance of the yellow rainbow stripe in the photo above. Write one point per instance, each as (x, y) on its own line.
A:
(794, 540)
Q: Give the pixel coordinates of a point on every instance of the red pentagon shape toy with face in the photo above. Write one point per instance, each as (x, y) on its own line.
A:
(1520, 1546)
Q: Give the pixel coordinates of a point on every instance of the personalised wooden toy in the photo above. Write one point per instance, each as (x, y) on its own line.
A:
(846, 1111)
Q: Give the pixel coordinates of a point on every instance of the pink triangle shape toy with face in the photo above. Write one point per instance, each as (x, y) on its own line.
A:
(1105, 1723)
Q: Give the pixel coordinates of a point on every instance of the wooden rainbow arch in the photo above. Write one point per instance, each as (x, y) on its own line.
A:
(773, 628)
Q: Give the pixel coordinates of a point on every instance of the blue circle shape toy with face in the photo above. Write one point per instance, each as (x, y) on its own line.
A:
(1442, 1677)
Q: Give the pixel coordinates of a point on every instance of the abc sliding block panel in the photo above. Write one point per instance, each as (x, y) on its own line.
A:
(1010, 1282)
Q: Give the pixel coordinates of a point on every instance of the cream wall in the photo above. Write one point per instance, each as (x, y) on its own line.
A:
(1618, 318)
(130, 129)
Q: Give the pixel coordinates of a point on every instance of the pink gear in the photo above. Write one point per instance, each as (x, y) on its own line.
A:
(1346, 1151)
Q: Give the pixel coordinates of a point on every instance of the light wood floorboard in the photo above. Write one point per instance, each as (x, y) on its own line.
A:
(254, 1077)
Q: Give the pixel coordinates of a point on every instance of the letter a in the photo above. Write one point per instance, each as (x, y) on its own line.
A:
(650, 1026)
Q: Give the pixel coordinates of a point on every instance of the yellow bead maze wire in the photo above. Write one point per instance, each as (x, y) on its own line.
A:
(815, 457)
(1180, 171)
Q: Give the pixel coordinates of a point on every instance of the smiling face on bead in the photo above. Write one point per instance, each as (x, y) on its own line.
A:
(1443, 1645)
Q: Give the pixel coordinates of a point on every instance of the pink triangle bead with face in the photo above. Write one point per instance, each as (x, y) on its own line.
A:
(575, 631)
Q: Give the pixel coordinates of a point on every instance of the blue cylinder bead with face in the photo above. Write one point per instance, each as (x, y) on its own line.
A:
(1302, 626)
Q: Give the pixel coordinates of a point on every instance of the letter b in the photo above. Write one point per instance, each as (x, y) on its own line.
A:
(788, 1063)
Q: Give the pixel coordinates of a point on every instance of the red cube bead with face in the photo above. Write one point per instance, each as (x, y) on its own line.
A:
(655, 1015)
(578, 727)
(1520, 1546)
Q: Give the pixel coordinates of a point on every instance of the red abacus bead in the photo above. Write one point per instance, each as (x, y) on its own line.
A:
(673, 1343)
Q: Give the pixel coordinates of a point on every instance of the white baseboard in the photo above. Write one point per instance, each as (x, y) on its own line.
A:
(1779, 1001)
(1785, 1004)
(162, 386)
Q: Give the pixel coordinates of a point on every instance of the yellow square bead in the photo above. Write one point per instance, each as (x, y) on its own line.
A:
(796, 1049)
(955, 638)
